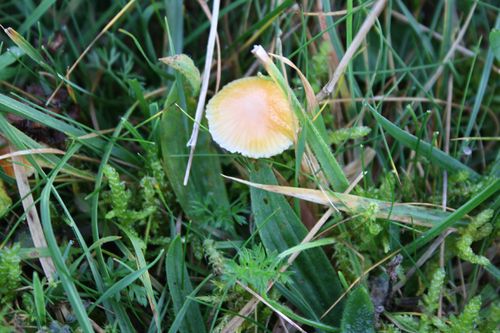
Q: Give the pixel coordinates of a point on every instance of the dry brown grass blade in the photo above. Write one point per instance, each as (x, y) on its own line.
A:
(34, 225)
(311, 99)
(411, 214)
(218, 63)
(351, 50)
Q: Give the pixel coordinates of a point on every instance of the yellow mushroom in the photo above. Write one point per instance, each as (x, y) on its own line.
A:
(252, 116)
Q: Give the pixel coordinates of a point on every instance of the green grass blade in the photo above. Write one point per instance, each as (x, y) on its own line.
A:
(5, 200)
(22, 141)
(180, 288)
(36, 15)
(494, 38)
(354, 204)
(118, 310)
(299, 319)
(123, 283)
(306, 246)
(27, 48)
(331, 168)
(422, 37)
(475, 201)
(483, 84)
(25, 111)
(10, 56)
(62, 270)
(145, 278)
(432, 153)
(39, 300)
(176, 24)
(179, 318)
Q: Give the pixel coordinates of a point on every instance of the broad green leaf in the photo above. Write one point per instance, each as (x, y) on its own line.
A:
(205, 182)
(358, 314)
(179, 318)
(185, 65)
(495, 42)
(180, 288)
(27, 253)
(281, 229)
(432, 153)
(7, 58)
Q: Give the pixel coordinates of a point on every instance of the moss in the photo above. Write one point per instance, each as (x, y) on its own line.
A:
(10, 273)
(478, 229)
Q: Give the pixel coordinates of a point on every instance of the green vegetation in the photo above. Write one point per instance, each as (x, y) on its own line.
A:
(382, 217)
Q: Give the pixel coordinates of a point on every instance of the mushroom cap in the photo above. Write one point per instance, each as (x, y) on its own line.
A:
(252, 116)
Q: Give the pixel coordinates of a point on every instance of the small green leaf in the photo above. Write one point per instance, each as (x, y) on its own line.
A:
(359, 313)
(495, 42)
(185, 65)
